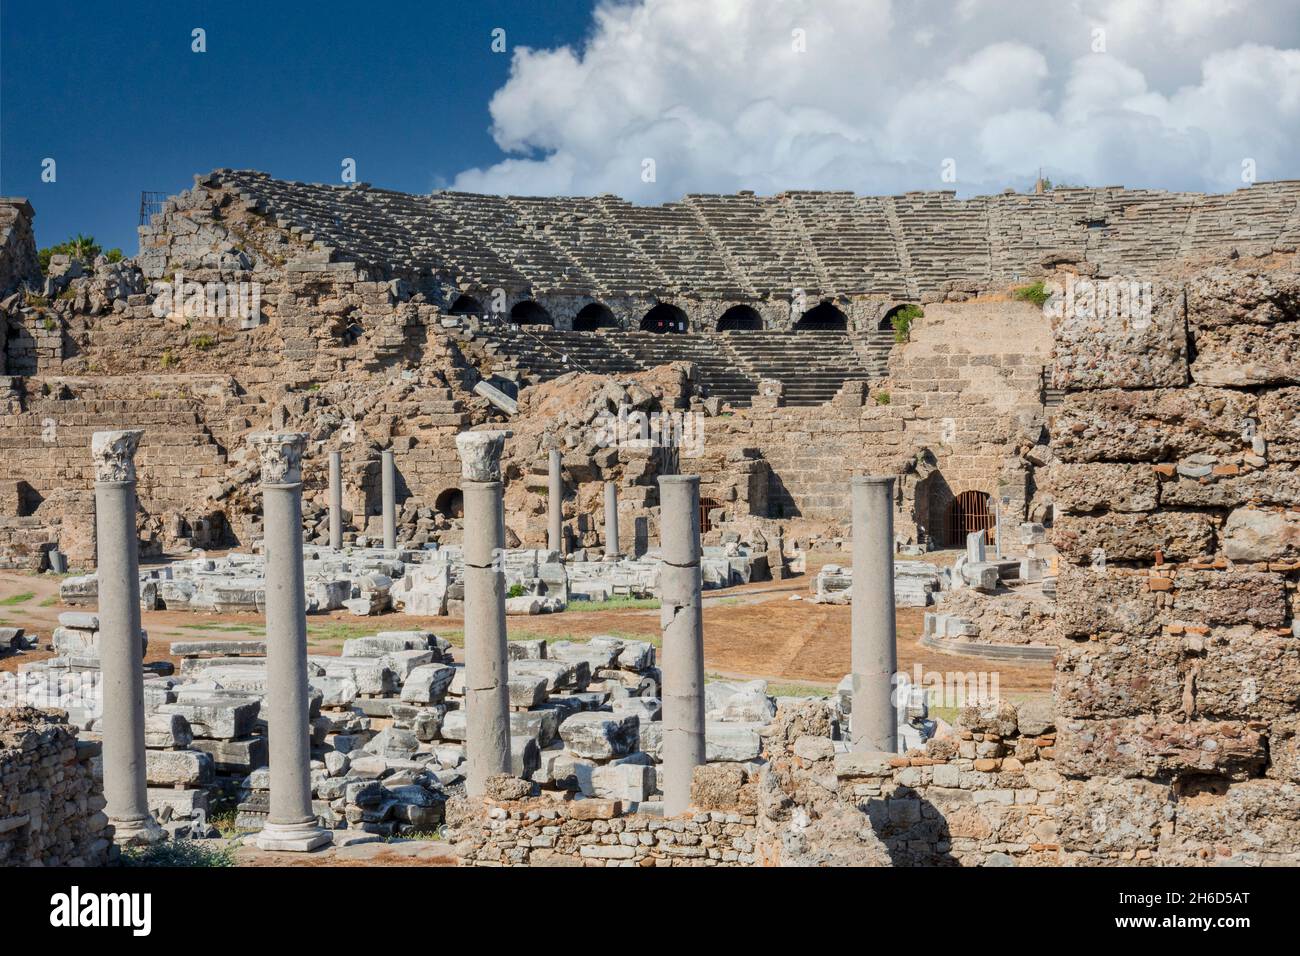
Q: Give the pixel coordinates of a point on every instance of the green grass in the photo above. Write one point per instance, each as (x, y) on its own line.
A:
(180, 853)
(50, 601)
(229, 628)
(1036, 293)
(614, 604)
(339, 631)
(798, 690)
(225, 824)
(13, 599)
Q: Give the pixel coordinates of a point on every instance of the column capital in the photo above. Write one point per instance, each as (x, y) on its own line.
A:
(281, 454)
(114, 454)
(480, 454)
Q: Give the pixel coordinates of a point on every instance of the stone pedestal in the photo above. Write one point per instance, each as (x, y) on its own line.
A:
(487, 696)
(291, 825)
(389, 479)
(125, 789)
(336, 500)
(555, 504)
(874, 657)
(612, 550)
(683, 638)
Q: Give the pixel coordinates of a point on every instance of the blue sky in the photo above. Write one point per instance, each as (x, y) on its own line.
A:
(646, 99)
(114, 94)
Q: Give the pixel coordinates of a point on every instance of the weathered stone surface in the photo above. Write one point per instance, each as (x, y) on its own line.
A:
(598, 735)
(427, 684)
(1270, 486)
(1241, 672)
(1156, 425)
(1142, 344)
(1252, 534)
(1245, 355)
(717, 786)
(1230, 597)
(1122, 677)
(1159, 747)
(1179, 535)
(1092, 603)
(1081, 488)
(177, 768)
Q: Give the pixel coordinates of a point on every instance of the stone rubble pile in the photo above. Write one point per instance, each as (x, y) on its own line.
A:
(916, 584)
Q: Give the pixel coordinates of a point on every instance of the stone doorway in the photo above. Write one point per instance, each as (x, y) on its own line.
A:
(968, 512)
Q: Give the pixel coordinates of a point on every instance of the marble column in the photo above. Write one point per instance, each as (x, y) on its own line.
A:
(683, 637)
(120, 648)
(612, 550)
(291, 824)
(336, 500)
(390, 500)
(874, 721)
(487, 697)
(555, 505)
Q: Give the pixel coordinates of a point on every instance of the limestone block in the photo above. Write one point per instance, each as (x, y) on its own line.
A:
(166, 732)
(598, 735)
(1134, 347)
(1180, 535)
(178, 768)
(733, 742)
(1120, 677)
(1154, 747)
(1117, 600)
(1081, 488)
(1230, 597)
(1252, 534)
(219, 718)
(1246, 355)
(1163, 424)
(427, 684)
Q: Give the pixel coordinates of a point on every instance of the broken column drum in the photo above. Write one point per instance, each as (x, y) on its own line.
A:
(290, 824)
(389, 481)
(873, 722)
(125, 787)
(487, 693)
(683, 637)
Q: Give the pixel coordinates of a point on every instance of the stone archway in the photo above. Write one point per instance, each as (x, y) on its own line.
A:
(969, 511)
(466, 305)
(740, 318)
(823, 318)
(664, 318)
(450, 502)
(529, 312)
(594, 316)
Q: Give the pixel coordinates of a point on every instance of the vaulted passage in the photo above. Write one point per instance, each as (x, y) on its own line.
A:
(530, 313)
(740, 318)
(592, 317)
(664, 318)
(451, 503)
(466, 305)
(823, 318)
(968, 512)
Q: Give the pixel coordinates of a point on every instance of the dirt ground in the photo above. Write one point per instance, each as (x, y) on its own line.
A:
(755, 631)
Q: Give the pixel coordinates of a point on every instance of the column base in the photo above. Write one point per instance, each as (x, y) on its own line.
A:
(292, 837)
(145, 832)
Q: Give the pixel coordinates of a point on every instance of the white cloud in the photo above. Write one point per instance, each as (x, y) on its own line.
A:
(720, 97)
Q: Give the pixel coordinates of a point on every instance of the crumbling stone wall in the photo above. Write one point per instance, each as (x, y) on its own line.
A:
(51, 809)
(1178, 670)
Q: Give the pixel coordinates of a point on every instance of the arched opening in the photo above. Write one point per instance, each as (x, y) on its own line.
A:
(592, 317)
(466, 305)
(740, 318)
(707, 505)
(664, 318)
(886, 323)
(451, 503)
(530, 313)
(968, 512)
(823, 318)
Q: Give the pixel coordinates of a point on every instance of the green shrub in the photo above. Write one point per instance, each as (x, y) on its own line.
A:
(203, 342)
(114, 255)
(167, 360)
(180, 853)
(516, 590)
(882, 398)
(902, 321)
(1036, 293)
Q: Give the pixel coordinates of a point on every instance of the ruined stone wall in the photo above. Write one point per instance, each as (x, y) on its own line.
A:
(1178, 671)
(18, 262)
(51, 809)
(962, 407)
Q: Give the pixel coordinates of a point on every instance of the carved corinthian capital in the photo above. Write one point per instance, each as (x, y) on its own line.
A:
(114, 454)
(480, 454)
(281, 454)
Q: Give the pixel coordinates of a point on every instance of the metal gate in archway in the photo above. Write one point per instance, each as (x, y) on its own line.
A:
(969, 512)
(707, 505)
